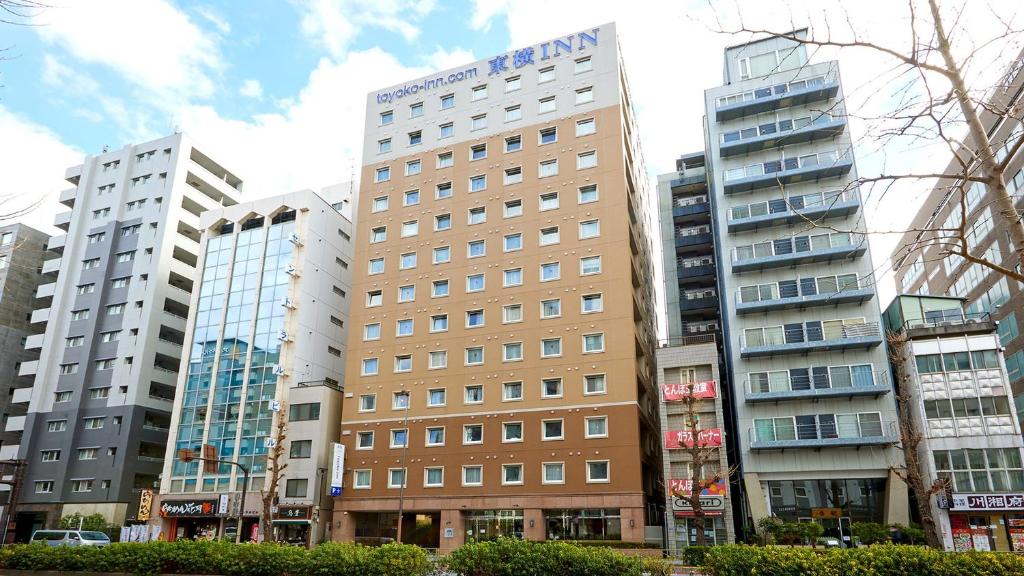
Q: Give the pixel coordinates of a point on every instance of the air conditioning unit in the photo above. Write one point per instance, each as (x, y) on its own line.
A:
(283, 336)
(291, 271)
(288, 303)
(278, 370)
(294, 239)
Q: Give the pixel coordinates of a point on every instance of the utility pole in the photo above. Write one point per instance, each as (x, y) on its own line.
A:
(405, 471)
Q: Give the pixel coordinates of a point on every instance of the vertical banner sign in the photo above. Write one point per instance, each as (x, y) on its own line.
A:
(702, 390)
(337, 469)
(709, 438)
(145, 505)
(222, 505)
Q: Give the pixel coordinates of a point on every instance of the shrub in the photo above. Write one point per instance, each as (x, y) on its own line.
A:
(512, 557)
(657, 567)
(871, 532)
(693, 555)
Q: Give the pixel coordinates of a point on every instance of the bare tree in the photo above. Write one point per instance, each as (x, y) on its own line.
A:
(19, 12)
(936, 104)
(275, 472)
(915, 473)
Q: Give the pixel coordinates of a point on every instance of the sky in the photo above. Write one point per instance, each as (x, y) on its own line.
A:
(275, 89)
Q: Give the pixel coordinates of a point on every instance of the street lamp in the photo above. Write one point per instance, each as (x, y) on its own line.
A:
(405, 471)
(187, 455)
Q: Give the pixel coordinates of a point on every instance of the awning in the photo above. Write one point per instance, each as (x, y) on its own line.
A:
(289, 521)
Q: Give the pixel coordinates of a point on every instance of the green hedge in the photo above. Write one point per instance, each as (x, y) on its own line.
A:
(879, 560)
(223, 558)
(512, 557)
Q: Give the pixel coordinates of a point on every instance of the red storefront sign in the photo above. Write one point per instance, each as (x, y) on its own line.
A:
(709, 438)
(677, 392)
(682, 487)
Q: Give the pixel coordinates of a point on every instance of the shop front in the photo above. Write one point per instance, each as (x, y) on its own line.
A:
(190, 519)
(987, 522)
(713, 502)
(292, 524)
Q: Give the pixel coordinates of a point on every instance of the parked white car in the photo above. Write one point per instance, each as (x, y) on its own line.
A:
(70, 538)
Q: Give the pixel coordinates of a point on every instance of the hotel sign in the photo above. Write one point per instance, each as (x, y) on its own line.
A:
(972, 502)
(677, 392)
(709, 438)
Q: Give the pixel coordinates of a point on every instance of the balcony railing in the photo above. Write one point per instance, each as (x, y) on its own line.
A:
(798, 250)
(850, 294)
(811, 339)
(822, 435)
(698, 272)
(705, 303)
(782, 133)
(868, 384)
(793, 210)
(782, 95)
(787, 170)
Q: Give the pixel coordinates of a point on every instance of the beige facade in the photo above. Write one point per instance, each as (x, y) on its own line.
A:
(514, 313)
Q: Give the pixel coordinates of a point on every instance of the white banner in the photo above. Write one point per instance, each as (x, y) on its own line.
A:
(338, 466)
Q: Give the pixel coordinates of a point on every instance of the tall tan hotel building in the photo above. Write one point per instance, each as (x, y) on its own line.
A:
(500, 349)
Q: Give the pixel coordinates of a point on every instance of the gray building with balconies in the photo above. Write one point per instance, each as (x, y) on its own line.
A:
(815, 418)
(99, 411)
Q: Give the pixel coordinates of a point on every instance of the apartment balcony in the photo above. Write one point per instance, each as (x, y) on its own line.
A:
(695, 273)
(864, 336)
(15, 424)
(693, 240)
(67, 197)
(182, 268)
(822, 128)
(691, 212)
(168, 348)
(28, 368)
(9, 451)
(40, 315)
(875, 385)
(790, 175)
(34, 342)
(173, 320)
(62, 220)
(51, 266)
(971, 426)
(772, 98)
(818, 436)
(839, 206)
(57, 243)
(73, 173)
(854, 296)
(21, 395)
(189, 220)
(688, 181)
(706, 304)
(856, 248)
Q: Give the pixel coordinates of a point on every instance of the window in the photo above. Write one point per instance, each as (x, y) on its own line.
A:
(300, 449)
(101, 213)
(404, 327)
(513, 175)
(120, 282)
(593, 343)
(81, 485)
(598, 471)
(512, 391)
(403, 363)
(396, 477)
(513, 208)
(74, 341)
(473, 434)
(513, 277)
(513, 143)
(478, 152)
(471, 476)
(90, 263)
(477, 215)
(442, 254)
(596, 427)
(406, 293)
(514, 83)
(590, 229)
(93, 238)
(474, 282)
(474, 318)
(64, 396)
(106, 364)
(304, 412)
(416, 110)
(387, 117)
(548, 168)
(407, 260)
(383, 174)
(590, 265)
(367, 402)
(399, 437)
(476, 248)
(444, 190)
(130, 230)
(436, 397)
(378, 234)
(99, 393)
(551, 388)
(49, 455)
(594, 384)
(512, 432)
(435, 436)
(438, 359)
(553, 473)
(384, 146)
(477, 183)
(551, 308)
(586, 127)
(43, 486)
(552, 430)
(550, 271)
(361, 479)
(411, 198)
(549, 201)
(66, 369)
(549, 236)
(478, 122)
(413, 167)
(545, 74)
(474, 355)
(374, 298)
(479, 92)
(370, 366)
(586, 160)
(513, 113)
(439, 288)
(446, 130)
(447, 101)
(125, 256)
(513, 242)
(583, 65)
(364, 440)
(512, 351)
(512, 474)
(512, 313)
(433, 476)
(94, 423)
(380, 204)
(115, 309)
(474, 394)
(548, 135)
(592, 303)
(371, 331)
(56, 425)
(545, 105)
(376, 266)
(585, 95)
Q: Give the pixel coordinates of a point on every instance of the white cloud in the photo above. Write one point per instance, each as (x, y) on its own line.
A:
(441, 59)
(150, 43)
(251, 89)
(335, 23)
(33, 170)
(222, 25)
